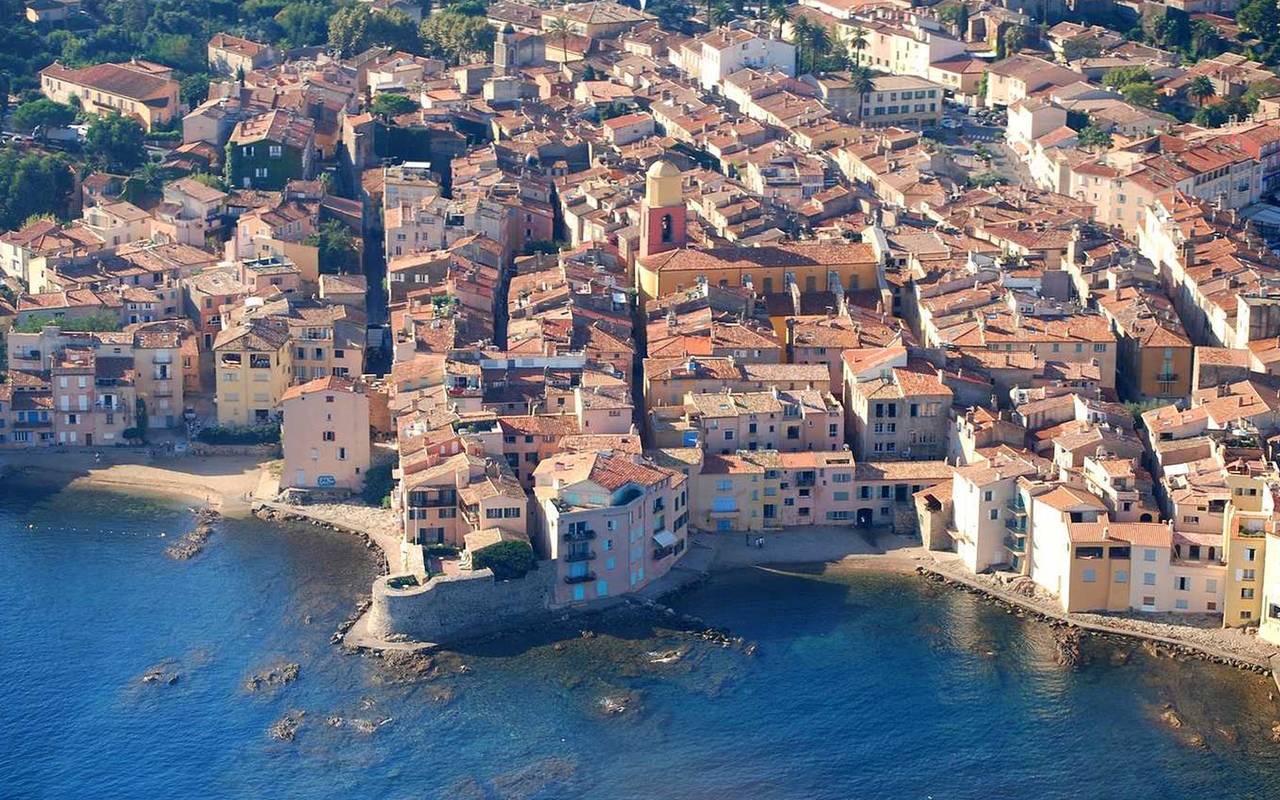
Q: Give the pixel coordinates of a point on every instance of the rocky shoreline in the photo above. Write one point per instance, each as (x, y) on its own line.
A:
(193, 543)
(1068, 632)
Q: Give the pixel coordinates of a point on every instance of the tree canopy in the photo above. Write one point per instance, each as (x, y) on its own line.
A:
(115, 143)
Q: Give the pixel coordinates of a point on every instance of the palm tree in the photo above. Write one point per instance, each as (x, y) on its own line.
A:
(858, 43)
(819, 44)
(778, 11)
(1200, 89)
(559, 26)
(860, 80)
(721, 13)
(801, 30)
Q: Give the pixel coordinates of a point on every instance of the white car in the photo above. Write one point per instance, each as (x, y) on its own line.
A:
(951, 124)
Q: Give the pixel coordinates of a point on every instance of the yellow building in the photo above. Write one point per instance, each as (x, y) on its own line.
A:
(139, 89)
(253, 367)
(769, 269)
(728, 495)
(1269, 627)
(1248, 520)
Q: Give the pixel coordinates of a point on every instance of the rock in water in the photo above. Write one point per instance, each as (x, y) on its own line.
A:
(278, 675)
(286, 728)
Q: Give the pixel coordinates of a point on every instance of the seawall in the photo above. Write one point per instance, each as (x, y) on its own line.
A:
(1182, 646)
(450, 607)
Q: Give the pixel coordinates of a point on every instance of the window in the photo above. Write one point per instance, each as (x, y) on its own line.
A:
(1246, 594)
(1089, 576)
(724, 486)
(1148, 554)
(1181, 605)
(994, 513)
(1122, 576)
(275, 150)
(986, 496)
(1247, 575)
(342, 454)
(1148, 579)
(1250, 554)
(328, 436)
(1182, 584)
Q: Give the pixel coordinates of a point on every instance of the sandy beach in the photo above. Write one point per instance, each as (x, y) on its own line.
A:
(223, 483)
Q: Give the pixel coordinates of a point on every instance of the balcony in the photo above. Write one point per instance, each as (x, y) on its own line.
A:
(1015, 506)
(583, 555)
(660, 553)
(583, 578)
(584, 535)
(1017, 524)
(1015, 544)
(1166, 377)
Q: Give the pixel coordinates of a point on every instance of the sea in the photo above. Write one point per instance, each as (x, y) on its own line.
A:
(821, 684)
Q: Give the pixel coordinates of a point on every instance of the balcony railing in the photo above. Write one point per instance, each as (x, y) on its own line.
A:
(579, 535)
(1017, 524)
(660, 553)
(1015, 506)
(583, 578)
(1166, 377)
(1015, 544)
(585, 555)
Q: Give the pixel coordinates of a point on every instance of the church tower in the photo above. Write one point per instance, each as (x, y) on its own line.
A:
(662, 214)
(504, 51)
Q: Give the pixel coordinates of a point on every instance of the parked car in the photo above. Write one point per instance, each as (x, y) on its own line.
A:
(951, 124)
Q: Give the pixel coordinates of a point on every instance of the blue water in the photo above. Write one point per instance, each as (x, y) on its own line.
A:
(863, 686)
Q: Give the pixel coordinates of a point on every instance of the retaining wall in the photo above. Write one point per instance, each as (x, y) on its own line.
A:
(458, 606)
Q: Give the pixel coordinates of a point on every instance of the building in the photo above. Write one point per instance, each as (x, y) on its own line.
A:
(902, 100)
(139, 89)
(253, 367)
(611, 522)
(234, 56)
(269, 150)
(903, 413)
(662, 212)
(325, 435)
(770, 268)
(806, 420)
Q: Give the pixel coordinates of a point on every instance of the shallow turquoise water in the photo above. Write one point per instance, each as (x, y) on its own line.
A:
(866, 686)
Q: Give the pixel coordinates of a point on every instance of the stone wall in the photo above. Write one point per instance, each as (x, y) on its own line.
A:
(259, 450)
(455, 607)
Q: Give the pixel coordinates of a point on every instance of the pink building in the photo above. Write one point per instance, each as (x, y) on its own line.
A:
(325, 435)
(611, 522)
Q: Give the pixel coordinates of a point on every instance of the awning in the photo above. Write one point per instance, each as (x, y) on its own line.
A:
(665, 539)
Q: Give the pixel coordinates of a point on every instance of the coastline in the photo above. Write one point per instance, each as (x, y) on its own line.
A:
(227, 484)
(222, 483)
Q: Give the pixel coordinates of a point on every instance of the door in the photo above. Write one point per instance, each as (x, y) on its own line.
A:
(88, 440)
(722, 525)
(300, 478)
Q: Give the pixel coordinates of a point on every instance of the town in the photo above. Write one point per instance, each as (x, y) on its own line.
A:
(562, 285)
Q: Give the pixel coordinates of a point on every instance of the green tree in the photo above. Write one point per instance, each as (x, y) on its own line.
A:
(722, 13)
(1261, 17)
(42, 113)
(31, 183)
(508, 560)
(1205, 41)
(1013, 40)
(957, 16)
(1094, 138)
(194, 88)
(801, 30)
(5, 85)
(777, 12)
(559, 28)
(1200, 89)
(116, 143)
(459, 37)
(336, 246)
(858, 43)
(1141, 94)
(390, 104)
(1083, 47)
(304, 24)
(1120, 76)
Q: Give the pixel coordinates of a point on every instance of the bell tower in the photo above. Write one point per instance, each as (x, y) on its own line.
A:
(662, 213)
